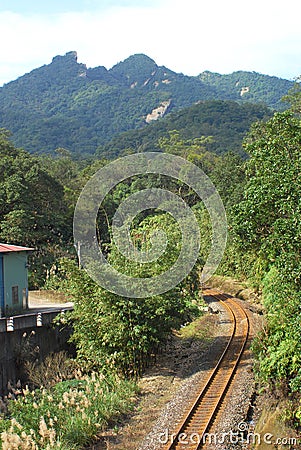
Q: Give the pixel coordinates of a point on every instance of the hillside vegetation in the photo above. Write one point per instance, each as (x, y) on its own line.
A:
(38, 193)
(65, 104)
(226, 122)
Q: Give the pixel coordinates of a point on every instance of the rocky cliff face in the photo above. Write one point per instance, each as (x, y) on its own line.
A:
(158, 112)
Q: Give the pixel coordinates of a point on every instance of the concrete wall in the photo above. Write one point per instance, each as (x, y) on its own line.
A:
(16, 345)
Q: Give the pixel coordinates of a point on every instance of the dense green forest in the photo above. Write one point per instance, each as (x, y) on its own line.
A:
(66, 105)
(261, 194)
(250, 86)
(225, 122)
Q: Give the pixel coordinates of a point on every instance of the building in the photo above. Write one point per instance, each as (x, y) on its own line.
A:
(13, 279)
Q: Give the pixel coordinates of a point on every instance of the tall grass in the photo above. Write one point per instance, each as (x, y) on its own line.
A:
(67, 416)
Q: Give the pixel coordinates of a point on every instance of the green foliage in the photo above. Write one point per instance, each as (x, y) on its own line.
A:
(268, 232)
(120, 333)
(37, 200)
(226, 171)
(298, 414)
(135, 69)
(178, 299)
(278, 349)
(66, 105)
(117, 333)
(250, 87)
(268, 218)
(294, 98)
(223, 125)
(67, 416)
(32, 209)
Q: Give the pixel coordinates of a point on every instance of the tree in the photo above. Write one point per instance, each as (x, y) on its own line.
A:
(268, 230)
(32, 210)
(268, 218)
(294, 97)
(114, 332)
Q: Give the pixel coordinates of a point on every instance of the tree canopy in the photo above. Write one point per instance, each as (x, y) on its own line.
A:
(268, 231)
(65, 104)
(32, 207)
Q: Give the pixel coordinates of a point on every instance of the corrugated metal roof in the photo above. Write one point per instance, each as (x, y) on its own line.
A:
(6, 248)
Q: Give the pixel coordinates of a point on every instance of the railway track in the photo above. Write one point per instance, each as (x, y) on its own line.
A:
(195, 426)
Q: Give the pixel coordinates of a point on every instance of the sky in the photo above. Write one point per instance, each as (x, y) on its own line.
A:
(187, 36)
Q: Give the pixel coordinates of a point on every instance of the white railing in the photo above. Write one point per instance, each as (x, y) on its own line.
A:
(38, 319)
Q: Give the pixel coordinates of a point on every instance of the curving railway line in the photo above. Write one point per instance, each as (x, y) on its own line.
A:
(192, 431)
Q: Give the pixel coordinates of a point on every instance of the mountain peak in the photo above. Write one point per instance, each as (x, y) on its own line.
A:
(65, 104)
(69, 56)
(136, 69)
(137, 58)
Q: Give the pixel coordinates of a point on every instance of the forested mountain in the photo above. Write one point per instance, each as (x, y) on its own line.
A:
(225, 121)
(38, 197)
(65, 104)
(249, 86)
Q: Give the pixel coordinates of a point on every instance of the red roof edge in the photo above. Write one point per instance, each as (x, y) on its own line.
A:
(6, 248)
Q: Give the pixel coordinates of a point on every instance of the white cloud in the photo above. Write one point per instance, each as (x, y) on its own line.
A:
(187, 37)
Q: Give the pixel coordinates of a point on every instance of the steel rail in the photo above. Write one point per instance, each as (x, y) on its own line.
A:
(192, 431)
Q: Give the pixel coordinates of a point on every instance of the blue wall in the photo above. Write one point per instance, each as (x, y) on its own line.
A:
(15, 275)
(2, 309)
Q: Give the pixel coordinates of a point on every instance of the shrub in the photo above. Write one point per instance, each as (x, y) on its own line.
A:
(68, 415)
